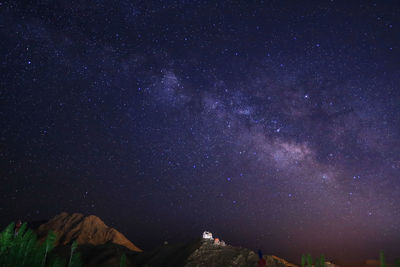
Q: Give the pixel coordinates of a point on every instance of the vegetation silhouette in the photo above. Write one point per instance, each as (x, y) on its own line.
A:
(307, 261)
(19, 246)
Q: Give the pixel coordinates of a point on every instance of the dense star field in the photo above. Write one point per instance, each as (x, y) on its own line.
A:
(272, 124)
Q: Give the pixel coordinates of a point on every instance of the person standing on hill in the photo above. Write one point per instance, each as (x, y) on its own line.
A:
(261, 261)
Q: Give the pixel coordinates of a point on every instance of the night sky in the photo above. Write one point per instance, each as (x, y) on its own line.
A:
(272, 124)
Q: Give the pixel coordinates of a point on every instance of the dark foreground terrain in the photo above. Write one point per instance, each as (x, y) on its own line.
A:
(102, 246)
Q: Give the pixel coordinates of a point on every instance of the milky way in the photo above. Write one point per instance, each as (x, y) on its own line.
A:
(272, 124)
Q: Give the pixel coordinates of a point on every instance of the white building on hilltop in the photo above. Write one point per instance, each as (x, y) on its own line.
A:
(216, 241)
(207, 235)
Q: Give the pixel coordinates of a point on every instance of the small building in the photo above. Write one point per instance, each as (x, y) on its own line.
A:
(207, 235)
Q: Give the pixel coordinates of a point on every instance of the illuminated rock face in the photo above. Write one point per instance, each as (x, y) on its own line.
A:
(207, 235)
(84, 229)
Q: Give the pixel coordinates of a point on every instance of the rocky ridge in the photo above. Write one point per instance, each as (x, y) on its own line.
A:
(86, 230)
(103, 246)
(212, 255)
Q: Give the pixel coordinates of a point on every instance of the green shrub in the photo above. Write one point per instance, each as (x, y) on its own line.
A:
(322, 261)
(74, 259)
(6, 238)
(382, 259)
(23, 249)
(303, 260)
(309, 260)
(319, 262)
(123, 261)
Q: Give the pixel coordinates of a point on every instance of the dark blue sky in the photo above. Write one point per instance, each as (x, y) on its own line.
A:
(273, 124)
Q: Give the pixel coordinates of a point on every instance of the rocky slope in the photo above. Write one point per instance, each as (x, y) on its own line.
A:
(211, 255)
(202, 253)
(102, 246)
(86, 230)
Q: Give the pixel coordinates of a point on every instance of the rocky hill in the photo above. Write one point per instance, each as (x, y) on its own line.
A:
(86, 230)
(213, 255)
(102, 246)
(202, 253)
